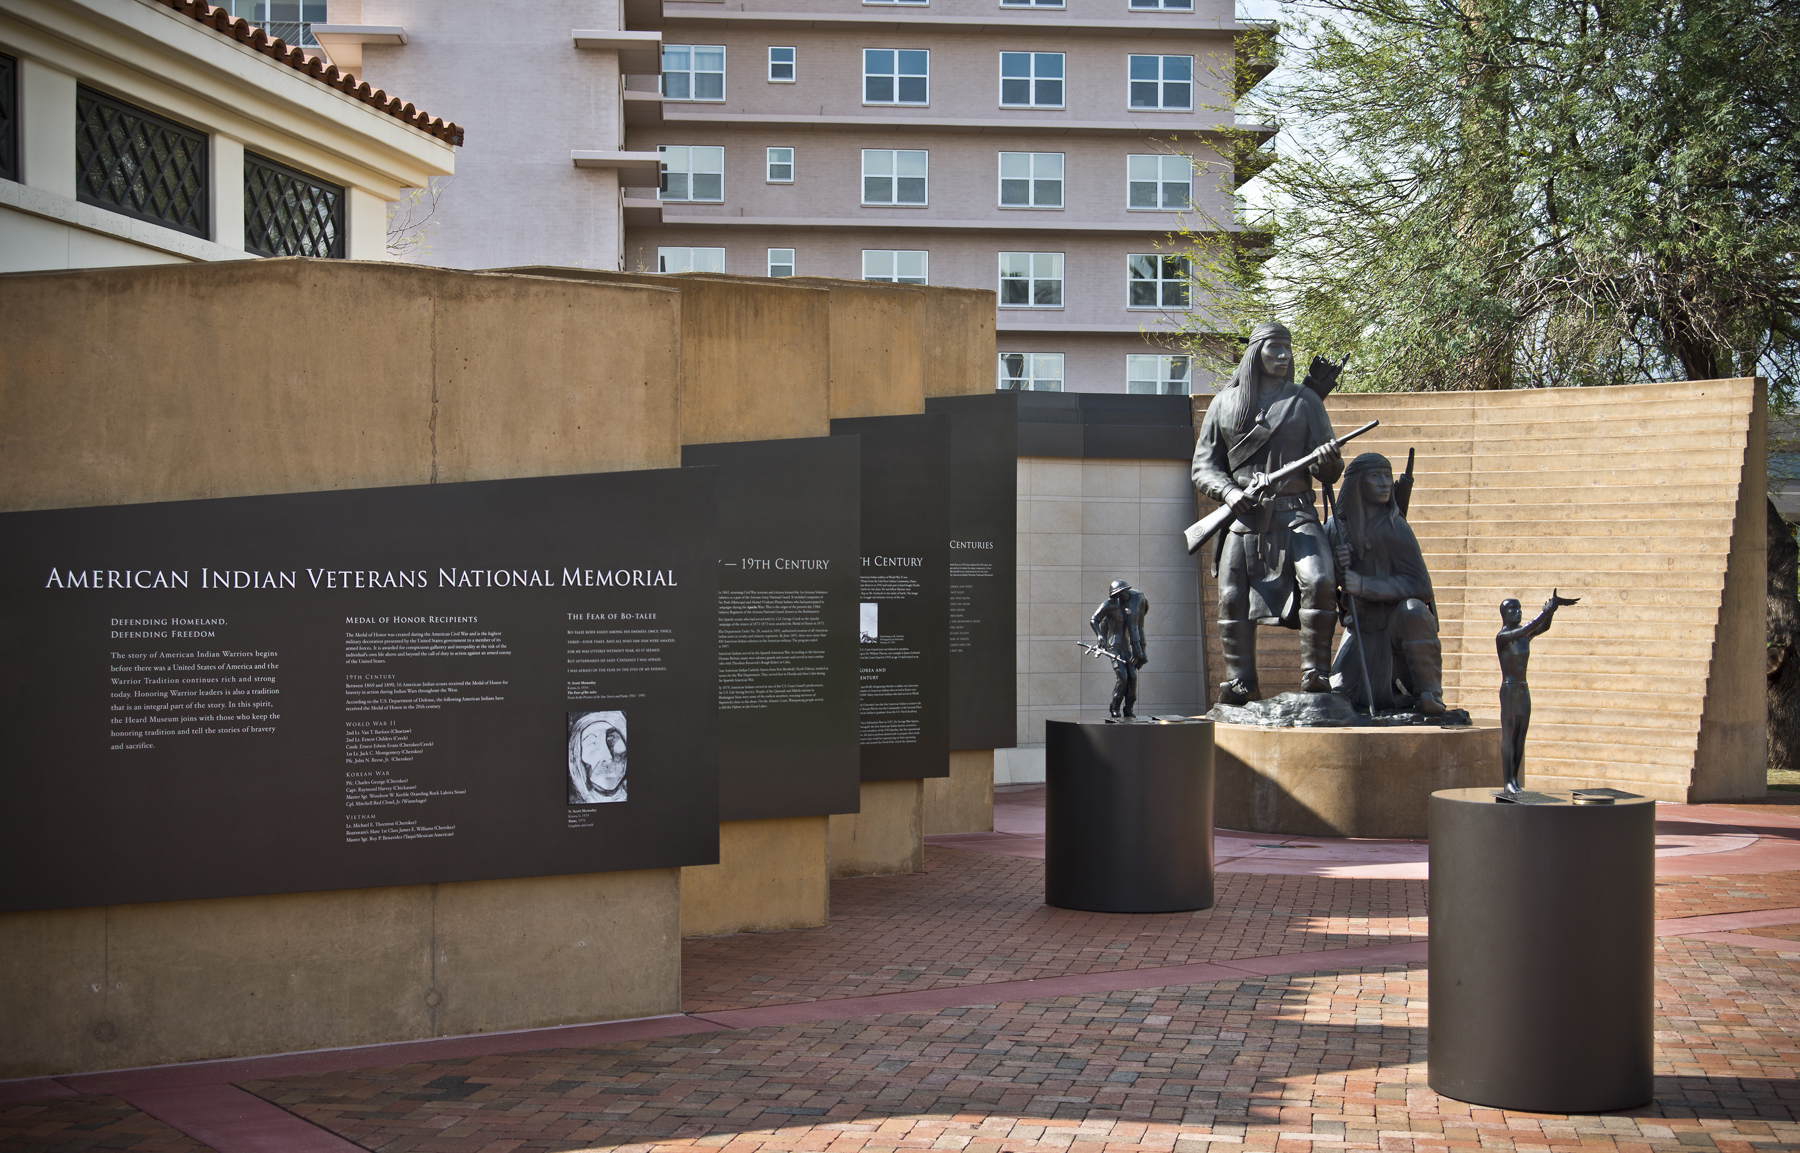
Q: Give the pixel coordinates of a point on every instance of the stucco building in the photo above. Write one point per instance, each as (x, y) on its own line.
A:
(1041, 151)
(165, 132)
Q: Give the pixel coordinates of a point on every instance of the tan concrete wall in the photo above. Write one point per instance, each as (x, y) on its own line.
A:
(1731, 756)
(877, 347)
(754, 361)
(962, 802)
(771, 875)
(887, 836)
(959, 342)
(154, 384)
(1638, 499)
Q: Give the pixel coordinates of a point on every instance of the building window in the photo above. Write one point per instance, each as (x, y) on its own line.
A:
(781, 65)
(1159, 375)
(690, 260)
(1164, 83)
(894, 176)
(900, 267)
(1031, 79)
(289, 21)
(694, 72)
(896, 76)
(781, 262)
(288, 213)
(921, 3)
(136, 163)
(1032, 3)
(1030, 372)
(1031, 280)
(1156, 281)
(1031, 180)
(1159, 181)
(1164, 5)
(692, 172)
(781, 166)
(9, 118)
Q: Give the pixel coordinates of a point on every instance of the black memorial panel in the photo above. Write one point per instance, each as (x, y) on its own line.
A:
(903, 622)
(984, 523)
(347, 689)
(789, 528)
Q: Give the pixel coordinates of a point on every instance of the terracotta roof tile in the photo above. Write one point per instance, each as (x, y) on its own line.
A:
(296, 58)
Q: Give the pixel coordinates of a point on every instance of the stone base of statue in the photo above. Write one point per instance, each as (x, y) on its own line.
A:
(1542, 922)
(1128, 816)
(1307, 766)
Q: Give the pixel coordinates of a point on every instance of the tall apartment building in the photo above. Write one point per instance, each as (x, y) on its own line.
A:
(1043, 150)
(1040, 150)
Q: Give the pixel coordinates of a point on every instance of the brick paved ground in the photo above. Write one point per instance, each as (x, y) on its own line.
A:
(84, 1124)
(1327, 1061)
(972, 918)
(1315, 1062)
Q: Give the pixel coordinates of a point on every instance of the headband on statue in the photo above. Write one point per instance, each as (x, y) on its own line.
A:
(1268, 329)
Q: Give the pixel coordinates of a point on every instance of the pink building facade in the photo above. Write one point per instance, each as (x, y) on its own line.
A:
(1042, 152)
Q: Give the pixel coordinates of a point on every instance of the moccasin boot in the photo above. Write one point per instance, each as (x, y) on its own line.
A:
(1237, 639)
(1316, 626)
(1425, 663)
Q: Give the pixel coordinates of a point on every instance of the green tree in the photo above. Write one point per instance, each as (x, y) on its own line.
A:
(1513, 193)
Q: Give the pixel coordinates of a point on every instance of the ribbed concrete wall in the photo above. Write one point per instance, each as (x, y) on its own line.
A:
(1082, 524)
(1646, 502)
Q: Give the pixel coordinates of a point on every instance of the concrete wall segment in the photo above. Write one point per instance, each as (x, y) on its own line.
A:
(754, 363)
(255, 377)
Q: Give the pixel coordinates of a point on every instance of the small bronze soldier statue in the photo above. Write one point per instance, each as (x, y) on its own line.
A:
(1119, 623)
(1392, 634)
(1273, 563)
(1514, 643)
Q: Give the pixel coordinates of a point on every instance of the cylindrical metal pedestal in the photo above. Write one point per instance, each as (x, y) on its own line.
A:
(1128, 822)
(1542, 922)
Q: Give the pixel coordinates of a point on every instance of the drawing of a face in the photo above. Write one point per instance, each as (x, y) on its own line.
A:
(603, 756)
(597, 758)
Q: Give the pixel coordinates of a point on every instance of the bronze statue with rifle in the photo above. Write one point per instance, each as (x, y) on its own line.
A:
(1264, 440)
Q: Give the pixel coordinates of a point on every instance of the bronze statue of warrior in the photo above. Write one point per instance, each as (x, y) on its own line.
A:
(1393, 633)
(1119, 623)
(1274, 565)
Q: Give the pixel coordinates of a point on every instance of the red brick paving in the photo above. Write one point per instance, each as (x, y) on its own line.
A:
(1327, 1061)
(81, 1124)
(1322, 1061)
(974, 918)
(1699, 896)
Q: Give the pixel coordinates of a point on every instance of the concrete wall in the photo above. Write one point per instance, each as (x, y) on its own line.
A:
(173, 383)
(1647, 502)
(1083, 524)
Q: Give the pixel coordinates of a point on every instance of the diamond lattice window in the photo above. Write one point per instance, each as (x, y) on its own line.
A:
(9, 117)
(288, 213)
(137, 163)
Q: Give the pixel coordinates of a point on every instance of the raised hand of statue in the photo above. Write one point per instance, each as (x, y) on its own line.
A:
(1556, 600)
